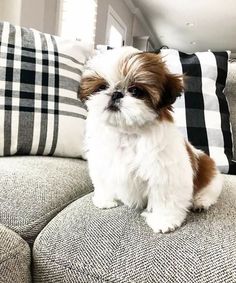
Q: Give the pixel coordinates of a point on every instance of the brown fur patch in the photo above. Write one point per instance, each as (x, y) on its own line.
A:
(149, 71)
(89, 85)
(165, 114)
(204, 169)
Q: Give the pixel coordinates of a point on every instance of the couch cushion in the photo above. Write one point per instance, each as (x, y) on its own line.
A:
(14, 257)
(230, 92)
(86, 244)
(202, 112)
(40, 113)
(34, 189)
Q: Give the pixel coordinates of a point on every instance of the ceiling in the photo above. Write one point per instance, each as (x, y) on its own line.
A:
(192, 25)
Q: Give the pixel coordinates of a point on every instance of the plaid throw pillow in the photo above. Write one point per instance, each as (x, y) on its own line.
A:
(40, 113)
(202, 113)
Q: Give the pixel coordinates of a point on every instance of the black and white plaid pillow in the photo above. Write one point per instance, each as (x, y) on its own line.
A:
(40, 113)
(202, 113)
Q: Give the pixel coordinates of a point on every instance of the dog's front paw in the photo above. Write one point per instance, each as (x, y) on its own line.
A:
(162, 224)
(104, 203)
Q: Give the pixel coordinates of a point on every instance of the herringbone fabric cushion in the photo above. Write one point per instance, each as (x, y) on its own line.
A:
(33, 189)
(14, 258)
(86, 244)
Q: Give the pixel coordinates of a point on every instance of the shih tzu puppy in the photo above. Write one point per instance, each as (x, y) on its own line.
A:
(136, 155)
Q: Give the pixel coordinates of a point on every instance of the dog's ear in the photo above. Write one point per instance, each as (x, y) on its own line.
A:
(172, 89)
(90, 85)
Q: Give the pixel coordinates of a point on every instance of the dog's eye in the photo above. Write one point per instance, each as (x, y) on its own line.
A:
(101, 87)
(136, 91)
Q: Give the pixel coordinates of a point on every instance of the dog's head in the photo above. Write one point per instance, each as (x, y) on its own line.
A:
(129, 89)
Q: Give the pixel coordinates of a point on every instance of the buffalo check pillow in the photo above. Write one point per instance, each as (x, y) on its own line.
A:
(202, 112)
(40, 113)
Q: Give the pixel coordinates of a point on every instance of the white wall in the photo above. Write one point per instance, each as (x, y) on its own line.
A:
(42, 15)
(124, 13)
(138, 28)
(38, 14)
(135, 27)
(32, 14)
(10, 10)
(50, 16)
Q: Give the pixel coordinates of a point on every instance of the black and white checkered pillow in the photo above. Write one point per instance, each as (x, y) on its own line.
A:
(202, 113)
(40, 113)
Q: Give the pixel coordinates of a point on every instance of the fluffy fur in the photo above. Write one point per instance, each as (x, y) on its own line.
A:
(135, 154)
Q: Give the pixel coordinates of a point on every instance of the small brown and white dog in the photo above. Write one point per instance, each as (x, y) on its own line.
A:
(136, 154)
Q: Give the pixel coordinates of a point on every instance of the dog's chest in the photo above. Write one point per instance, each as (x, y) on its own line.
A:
(118, 152)
(125, 150)
(122, 156)
(130, 155)
(127, 143)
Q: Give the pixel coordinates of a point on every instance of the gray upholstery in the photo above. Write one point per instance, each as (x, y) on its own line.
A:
(86, 244)
(34, 189)
(230, 92)
(14, 258)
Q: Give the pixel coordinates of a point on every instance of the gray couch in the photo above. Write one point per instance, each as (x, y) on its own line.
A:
(51, 232)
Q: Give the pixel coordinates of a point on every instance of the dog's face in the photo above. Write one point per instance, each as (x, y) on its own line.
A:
(128, 89)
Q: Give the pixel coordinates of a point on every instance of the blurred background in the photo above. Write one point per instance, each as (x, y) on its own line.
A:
(187, 25)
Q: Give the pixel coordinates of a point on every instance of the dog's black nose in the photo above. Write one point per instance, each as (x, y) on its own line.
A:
(117, 95)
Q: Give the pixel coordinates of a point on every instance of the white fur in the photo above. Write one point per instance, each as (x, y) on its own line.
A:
(135, 159)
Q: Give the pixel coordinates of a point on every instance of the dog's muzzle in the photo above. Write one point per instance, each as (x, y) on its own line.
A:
(115, 101)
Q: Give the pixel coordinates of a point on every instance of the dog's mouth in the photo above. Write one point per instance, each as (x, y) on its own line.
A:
(113, 106)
